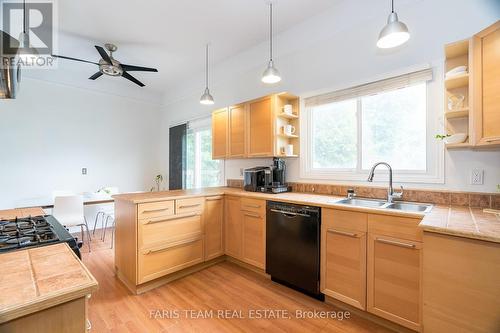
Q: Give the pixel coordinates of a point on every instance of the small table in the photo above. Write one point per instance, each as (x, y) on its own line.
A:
(48, 202)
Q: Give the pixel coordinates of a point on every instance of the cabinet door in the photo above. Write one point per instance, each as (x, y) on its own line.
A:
(219, 134)
(260, 127)
(487, 86)
(213, 220)
(394, 289)
(237, 131)
(345, 266)
(343, 256)
(233, 227)
(254, 239)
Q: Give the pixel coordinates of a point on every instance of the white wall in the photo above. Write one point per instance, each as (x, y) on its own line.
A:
(52, 131)
(337, 49)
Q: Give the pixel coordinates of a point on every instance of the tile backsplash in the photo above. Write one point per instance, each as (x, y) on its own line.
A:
(472, 199)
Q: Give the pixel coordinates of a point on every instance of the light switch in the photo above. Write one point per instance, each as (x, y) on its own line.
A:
(84, 171)
(476, 177)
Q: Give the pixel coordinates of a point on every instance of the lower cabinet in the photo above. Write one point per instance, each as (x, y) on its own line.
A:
(245, 228)
(254, 232)
(233, 227)
(343, 247)
(373, 262)
(213, 219)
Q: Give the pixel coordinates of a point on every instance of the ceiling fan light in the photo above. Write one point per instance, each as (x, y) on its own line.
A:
(271, 74)
(206, 98)
(394, 33)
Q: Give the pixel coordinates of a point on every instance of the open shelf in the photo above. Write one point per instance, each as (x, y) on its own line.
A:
(291, 136)
(461, 113)
(457, 81)
(288, 116)
(458, 145)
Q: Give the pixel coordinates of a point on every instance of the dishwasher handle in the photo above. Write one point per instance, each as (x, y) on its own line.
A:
(289, 214)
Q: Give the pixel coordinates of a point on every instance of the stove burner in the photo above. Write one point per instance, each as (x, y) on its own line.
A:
(22, 232)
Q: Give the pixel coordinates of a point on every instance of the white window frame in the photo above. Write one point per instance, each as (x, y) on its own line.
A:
(434, 172)
(197, 126)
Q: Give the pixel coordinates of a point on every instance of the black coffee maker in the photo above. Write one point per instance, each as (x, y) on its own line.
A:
(278, 184)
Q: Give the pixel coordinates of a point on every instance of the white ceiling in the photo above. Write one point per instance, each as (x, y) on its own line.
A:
(166, 34)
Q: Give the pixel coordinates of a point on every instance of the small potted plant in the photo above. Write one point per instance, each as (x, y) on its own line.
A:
(158, 180)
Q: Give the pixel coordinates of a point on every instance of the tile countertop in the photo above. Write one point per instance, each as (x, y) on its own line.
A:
(38, 278)
(451, 220)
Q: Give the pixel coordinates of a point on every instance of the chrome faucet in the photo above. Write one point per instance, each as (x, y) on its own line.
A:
(391, 195)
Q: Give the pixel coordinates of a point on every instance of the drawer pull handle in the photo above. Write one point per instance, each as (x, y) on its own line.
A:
(251, 206)
(344, 233)
(251, 214)
(214, 198)
(492, 140)
(171, 245)
(189, 206)
(396, 243)
(170, 218)
(155, 210)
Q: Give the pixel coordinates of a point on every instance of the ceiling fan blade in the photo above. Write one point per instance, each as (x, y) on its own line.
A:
(129, 68)
(95, 76)
(75, 59)
(133, 79)
(104, 54)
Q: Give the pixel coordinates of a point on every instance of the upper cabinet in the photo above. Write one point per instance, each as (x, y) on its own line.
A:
(486, 67)
(237, 131)
(472, 89)
(264, 127)
(219, 133)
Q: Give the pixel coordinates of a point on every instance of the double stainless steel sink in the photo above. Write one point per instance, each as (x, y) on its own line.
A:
(373, 203)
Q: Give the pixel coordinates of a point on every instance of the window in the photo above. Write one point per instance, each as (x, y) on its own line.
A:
(348, 131)
(201, 170)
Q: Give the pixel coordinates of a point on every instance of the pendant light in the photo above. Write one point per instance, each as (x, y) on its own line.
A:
(25, 52)
(206, 98)
(271, 74)
(394, 33)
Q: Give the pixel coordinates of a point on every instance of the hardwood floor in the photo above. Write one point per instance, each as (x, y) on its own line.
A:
(225, 286)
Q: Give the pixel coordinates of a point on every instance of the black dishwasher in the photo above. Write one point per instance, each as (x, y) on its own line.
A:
(293, 246)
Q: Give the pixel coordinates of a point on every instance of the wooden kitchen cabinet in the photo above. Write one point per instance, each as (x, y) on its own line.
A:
(214, 223)
(486, 69)
(260, 127)
(343, 256)
(256, 128)
(394, 270)
(219, 133)
(237, 131)
(253, 214)
(233, 227)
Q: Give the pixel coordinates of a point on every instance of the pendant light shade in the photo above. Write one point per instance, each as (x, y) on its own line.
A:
(271, 74)
(394, 33)
(206, 98)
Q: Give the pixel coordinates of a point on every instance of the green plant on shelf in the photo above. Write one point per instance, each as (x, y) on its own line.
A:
(442, 136)
(158, 180)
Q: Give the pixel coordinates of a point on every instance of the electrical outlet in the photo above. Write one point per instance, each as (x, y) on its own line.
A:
(476, 177)
(84, 171)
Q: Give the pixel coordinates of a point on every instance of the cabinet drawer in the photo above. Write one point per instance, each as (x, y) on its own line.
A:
(155, 209)
(168, 228)
(168, 258)
(346, 220)
(394, 226)
(254, 205)
(190, 205)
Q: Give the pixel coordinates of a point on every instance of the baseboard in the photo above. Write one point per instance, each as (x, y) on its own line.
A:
(247, 266)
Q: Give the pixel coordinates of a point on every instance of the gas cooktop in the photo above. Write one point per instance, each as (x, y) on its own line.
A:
(29, 231)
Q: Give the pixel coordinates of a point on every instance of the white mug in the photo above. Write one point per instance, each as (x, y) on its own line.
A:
(288, 129)
(289, 150)
(287, 108)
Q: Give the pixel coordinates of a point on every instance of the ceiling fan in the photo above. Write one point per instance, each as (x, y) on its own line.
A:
(110, 66)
